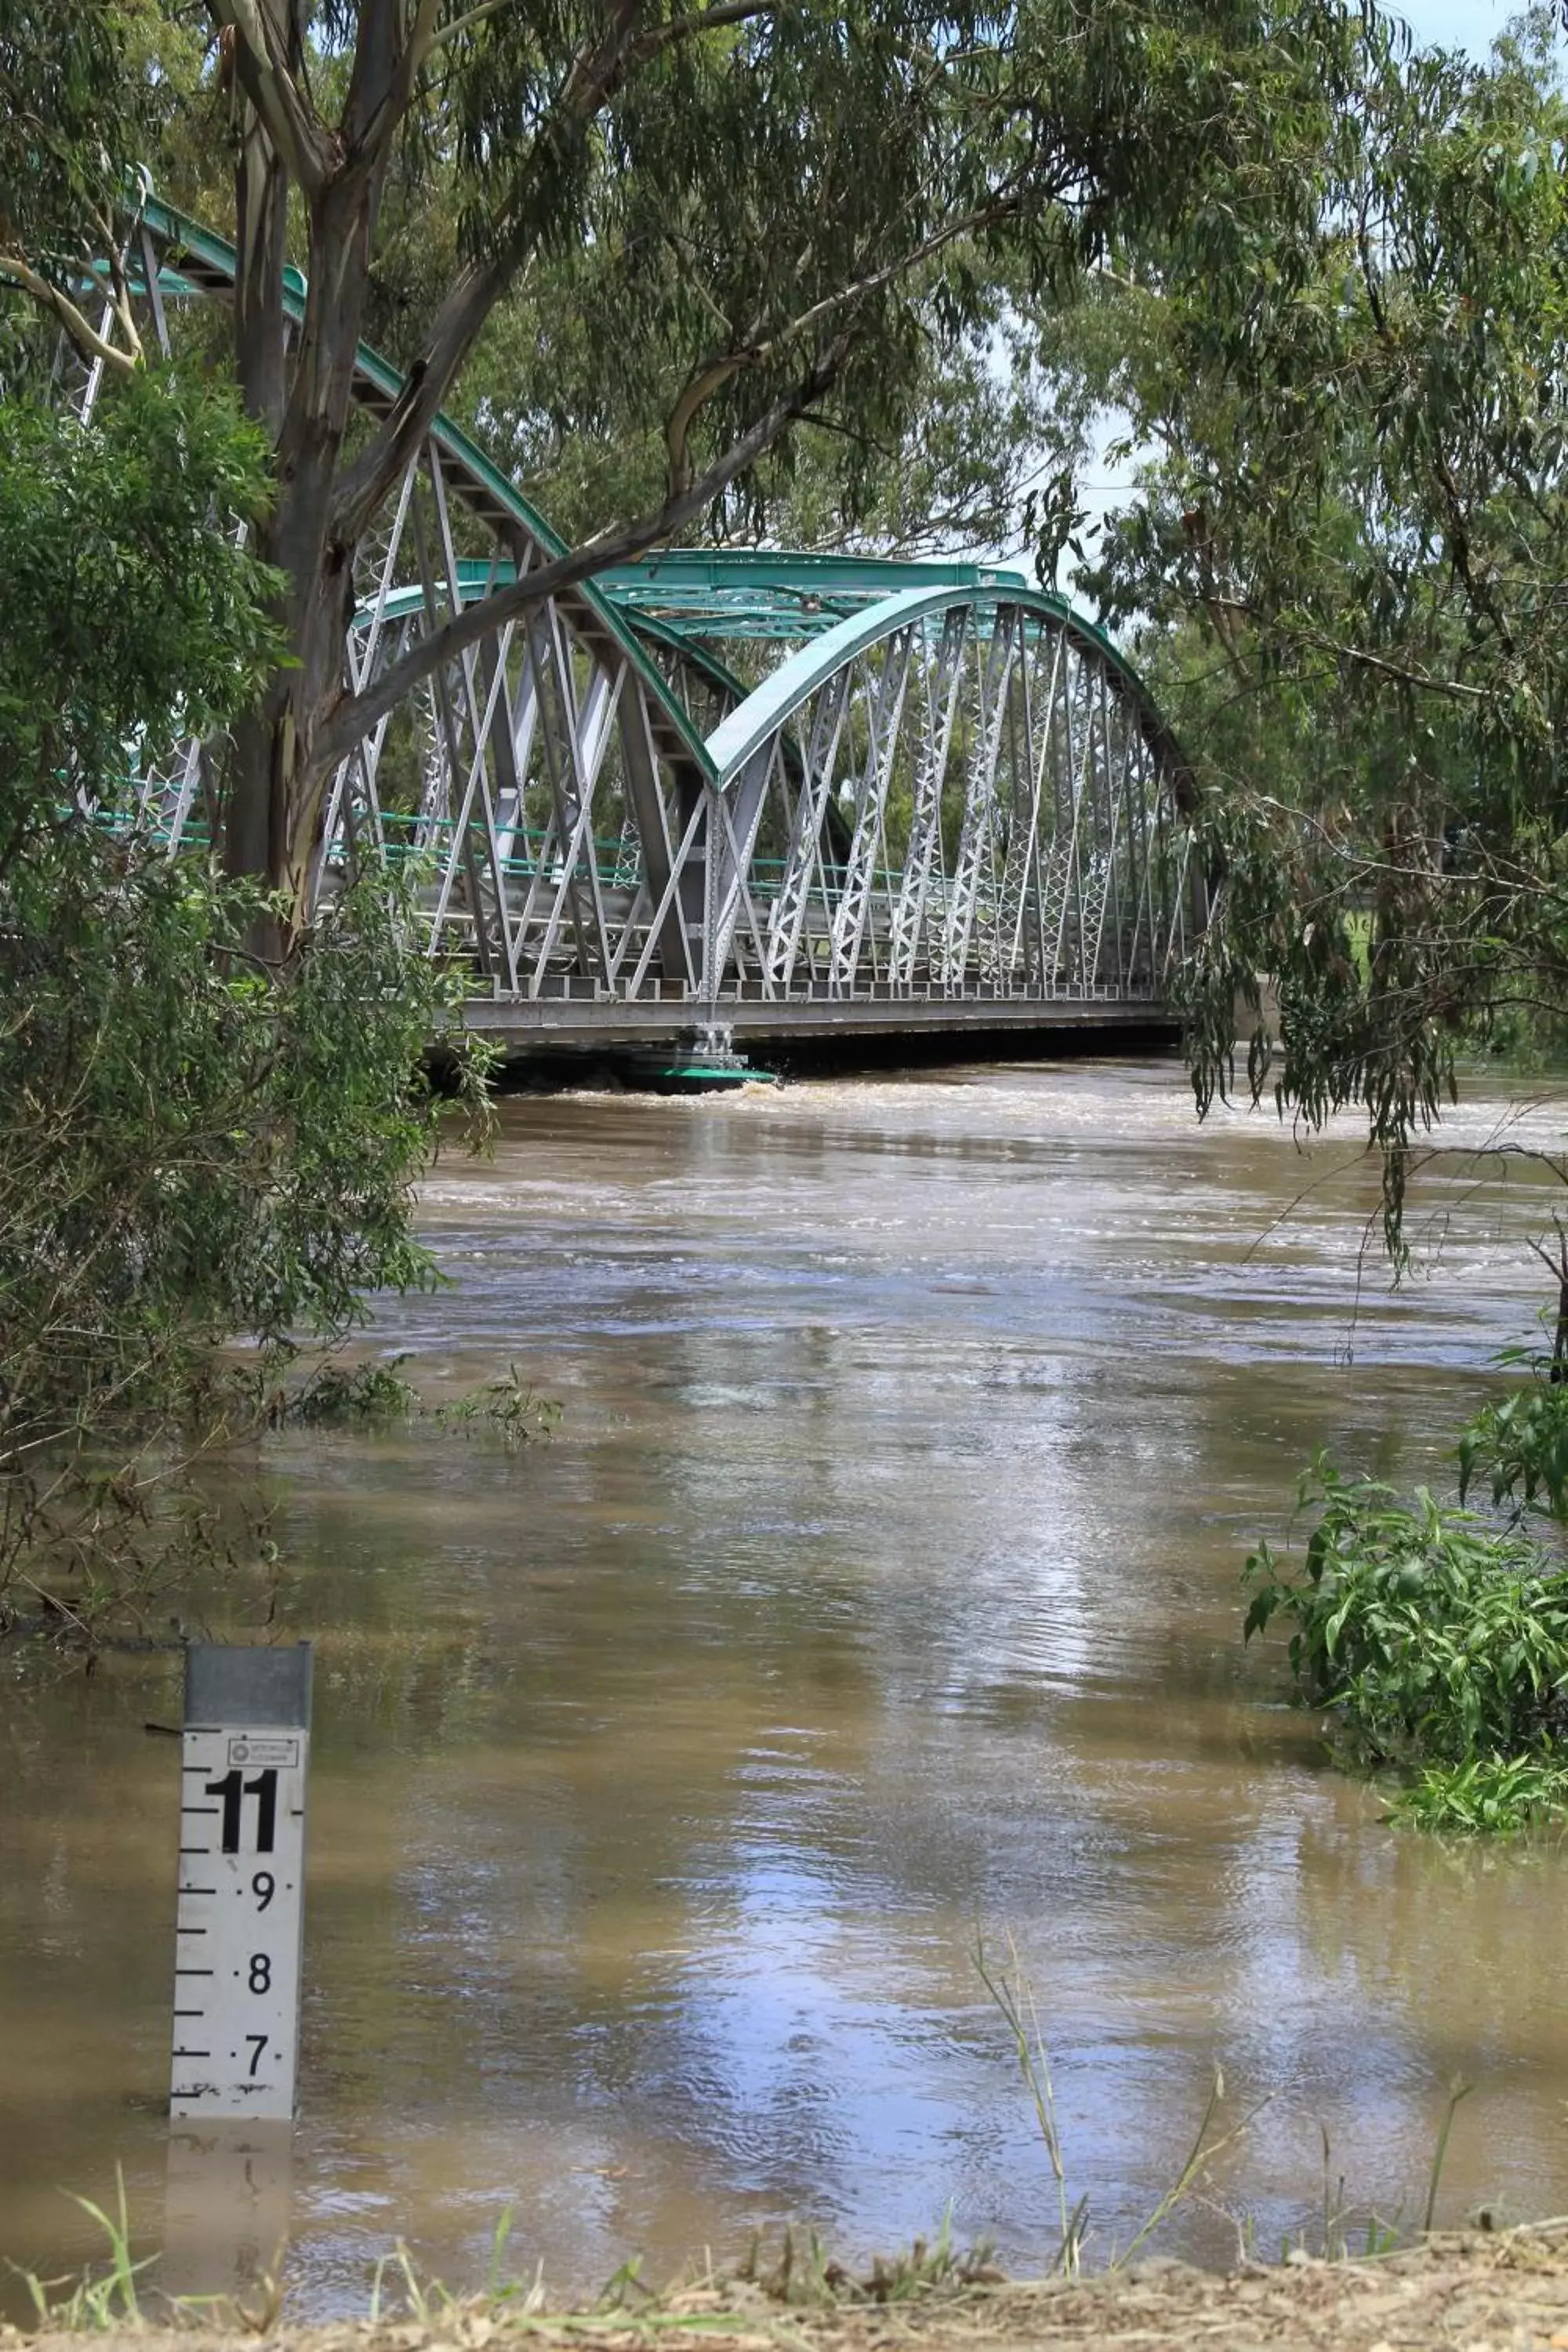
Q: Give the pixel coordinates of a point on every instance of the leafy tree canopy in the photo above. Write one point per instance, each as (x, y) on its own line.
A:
(194, 1152)
(700, 230)
(126, 621)
(1347, 557)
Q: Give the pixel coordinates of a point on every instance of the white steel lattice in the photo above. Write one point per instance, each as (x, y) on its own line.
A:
(951, 791)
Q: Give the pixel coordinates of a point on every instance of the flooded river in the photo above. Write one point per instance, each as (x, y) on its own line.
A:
(878, 1591)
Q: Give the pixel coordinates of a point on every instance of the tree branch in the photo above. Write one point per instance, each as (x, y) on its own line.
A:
(356, 716)
(983, 216)
(466, 305)
(372, 123)
(594, 75)
(82, 332)
(291, 123)
(702, 20)
(122, 290)
(701, 387)
(1451, 688)
(660, 37)
(711, 376)
(467, 20)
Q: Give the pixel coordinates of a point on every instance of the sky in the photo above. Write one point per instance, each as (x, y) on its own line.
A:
(1471, 24)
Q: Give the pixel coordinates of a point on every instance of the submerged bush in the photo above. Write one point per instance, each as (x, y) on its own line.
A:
(1491, 1796)
(352, 1396)
(1520, 1445)
(1435, 1643)
(195, 1153)
(195, 1150)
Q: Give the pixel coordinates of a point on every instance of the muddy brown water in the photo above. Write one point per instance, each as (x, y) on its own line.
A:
(877, 1590)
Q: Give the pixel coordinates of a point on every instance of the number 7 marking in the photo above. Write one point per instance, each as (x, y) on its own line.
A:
(260, 2039)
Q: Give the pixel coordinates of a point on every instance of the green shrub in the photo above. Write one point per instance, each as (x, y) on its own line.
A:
(1430, 1637)
(1490, 1796)
(340, 1396)
(1521, 1443)
(197, 1150)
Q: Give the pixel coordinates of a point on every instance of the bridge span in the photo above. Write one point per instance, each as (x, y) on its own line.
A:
(772, 796)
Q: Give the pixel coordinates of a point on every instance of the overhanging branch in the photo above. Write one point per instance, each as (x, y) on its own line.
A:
(355, 717)
(711, 375)
(82, 332)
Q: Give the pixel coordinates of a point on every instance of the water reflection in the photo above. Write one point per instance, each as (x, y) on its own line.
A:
(880, 1583)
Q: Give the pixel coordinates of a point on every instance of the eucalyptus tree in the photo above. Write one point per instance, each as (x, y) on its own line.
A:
(758, 212)
(1348, 550)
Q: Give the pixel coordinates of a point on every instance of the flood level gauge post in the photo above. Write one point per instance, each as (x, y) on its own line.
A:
(241, 1883)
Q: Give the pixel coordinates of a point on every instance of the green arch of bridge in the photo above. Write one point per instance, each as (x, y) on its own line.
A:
(208, 265)
(475, 580)
(681, 597)
(738, 737)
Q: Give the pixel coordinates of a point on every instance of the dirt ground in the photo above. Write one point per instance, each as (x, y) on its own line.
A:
(1503, 2293)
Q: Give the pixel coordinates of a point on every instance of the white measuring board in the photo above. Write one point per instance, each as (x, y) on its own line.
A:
(242, 1882)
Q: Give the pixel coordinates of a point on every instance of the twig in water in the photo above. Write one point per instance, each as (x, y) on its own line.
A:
(1457, 2092)
(1014, 1996)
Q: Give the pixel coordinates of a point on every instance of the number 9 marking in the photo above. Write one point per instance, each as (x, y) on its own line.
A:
(263, 1886)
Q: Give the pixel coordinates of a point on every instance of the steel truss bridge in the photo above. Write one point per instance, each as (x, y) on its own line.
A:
(770, 795)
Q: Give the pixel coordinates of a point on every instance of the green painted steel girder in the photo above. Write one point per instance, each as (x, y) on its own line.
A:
(689, 595)
(773, 595)
(745, 732)
(207, 265)
(688, 598)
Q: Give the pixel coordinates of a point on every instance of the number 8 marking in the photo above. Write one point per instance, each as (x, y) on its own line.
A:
(260, 1972)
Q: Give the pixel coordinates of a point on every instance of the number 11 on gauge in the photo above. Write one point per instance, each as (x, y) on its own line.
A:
(237, 1930)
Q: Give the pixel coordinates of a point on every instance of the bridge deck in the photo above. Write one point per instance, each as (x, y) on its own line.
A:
(582, 1024)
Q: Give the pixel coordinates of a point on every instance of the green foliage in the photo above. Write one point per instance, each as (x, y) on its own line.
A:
(746, 199)
(90, 91)
(1428, 1637)
(1487, 1796)
(69, 116)
(507, 1405)
(197, 1149)
(1343, 567)
(1521, 1443)
(126, 620)
(950, 470)
(351, 1395)
(196, 1152)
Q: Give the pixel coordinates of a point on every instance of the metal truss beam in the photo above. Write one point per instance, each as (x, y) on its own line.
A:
(952, 789)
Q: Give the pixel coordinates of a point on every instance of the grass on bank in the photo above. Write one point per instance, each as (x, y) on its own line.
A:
(115, 2299)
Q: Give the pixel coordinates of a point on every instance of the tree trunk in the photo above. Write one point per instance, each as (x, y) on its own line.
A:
(297, 381)
(276, 785)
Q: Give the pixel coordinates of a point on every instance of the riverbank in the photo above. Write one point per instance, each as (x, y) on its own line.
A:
(1499, 2292)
